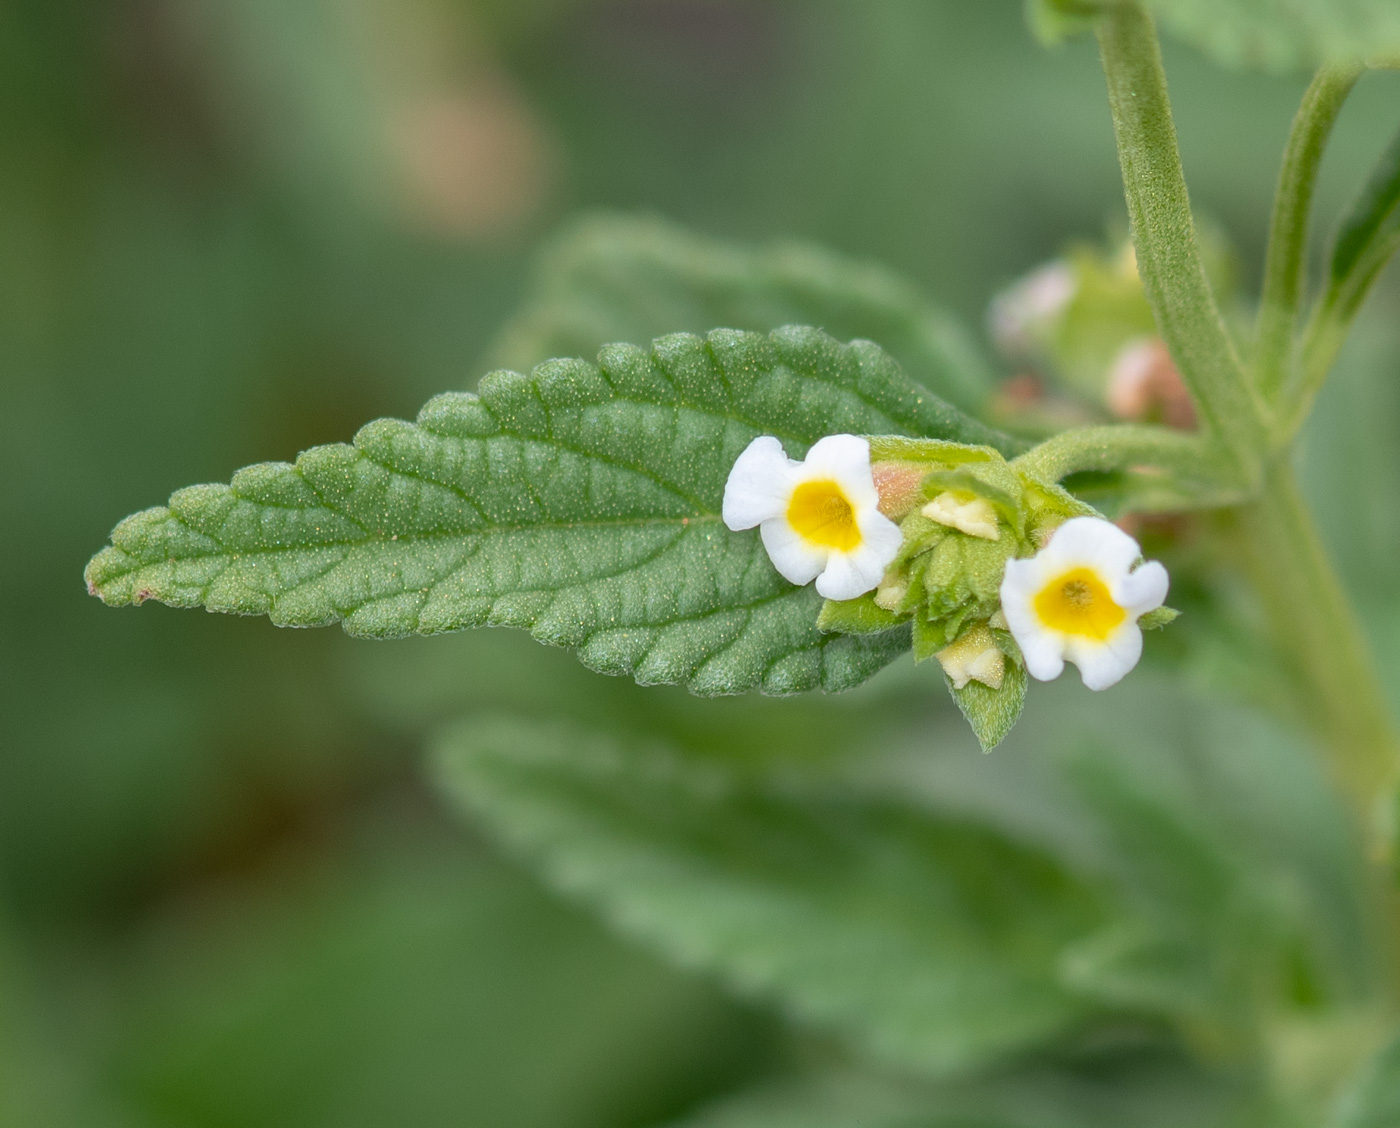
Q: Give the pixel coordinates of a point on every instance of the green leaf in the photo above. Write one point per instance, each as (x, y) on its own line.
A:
(1373, 1100)
(581, 502)
(1158, 618)
(1286, 35)
(624, 278)
(391, 974)
(1146, 1089)
(1368, 214)
(993, 713)
(1054, 21)
(930, 942)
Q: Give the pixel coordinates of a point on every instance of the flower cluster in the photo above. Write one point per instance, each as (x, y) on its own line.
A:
(994, 570)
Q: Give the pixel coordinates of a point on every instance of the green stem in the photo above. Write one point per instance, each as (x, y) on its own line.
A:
(1183, 462)
(1286, 263)
(1320, 641)
(1169, 259)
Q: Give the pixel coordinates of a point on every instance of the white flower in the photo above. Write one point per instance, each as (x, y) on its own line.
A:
(819, 518)
(965, 512)
(1079, 598)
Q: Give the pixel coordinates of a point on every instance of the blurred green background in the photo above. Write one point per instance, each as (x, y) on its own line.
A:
(231, 229)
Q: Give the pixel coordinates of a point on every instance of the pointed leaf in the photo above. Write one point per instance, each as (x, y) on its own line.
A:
(993, 713)
(930, 942)
(581, 502)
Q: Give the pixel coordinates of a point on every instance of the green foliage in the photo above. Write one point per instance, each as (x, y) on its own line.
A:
(1286, 35)
(1374, 1100)
(992, 713)
(1145, 1089)
(1054, 21)
(393, 974)
(929, 941)
(581, 502)
(622, 278)
(1368, 215)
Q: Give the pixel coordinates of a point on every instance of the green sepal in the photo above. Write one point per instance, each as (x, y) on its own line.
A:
(1158, 618)
(992, 713)
(930, 636)
(861, 615)
(962, 570)
(901, 448)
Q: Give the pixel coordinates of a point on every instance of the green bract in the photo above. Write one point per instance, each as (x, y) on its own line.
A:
(581, 502)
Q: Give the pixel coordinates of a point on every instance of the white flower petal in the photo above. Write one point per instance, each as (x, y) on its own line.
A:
(879, 534)
(846, 460)
(1143, 590)
(1102, 664)
(1043, 652)
(1094, 542)
(759, 485)
(796, 559)
(842, 579)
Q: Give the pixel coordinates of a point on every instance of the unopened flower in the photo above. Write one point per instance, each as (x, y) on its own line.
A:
(1079, 599)
(819, 518)
(974, 657)
(965, 512)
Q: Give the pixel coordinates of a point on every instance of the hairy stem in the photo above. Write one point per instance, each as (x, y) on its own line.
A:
(1168, 255)
(1321, 642)
(1182, 464)
(1286, 263)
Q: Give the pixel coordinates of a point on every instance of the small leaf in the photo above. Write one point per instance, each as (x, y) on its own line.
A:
(625, 278)
(993, 713)
(1286, 35)
(581, 502)
(930, 942)
(1158, 618)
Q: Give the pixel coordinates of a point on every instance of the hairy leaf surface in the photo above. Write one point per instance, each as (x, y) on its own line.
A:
(581, 502)
(930, 942)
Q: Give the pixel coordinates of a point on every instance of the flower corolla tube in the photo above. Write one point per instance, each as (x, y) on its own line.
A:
(819, 518)
(1079, 599)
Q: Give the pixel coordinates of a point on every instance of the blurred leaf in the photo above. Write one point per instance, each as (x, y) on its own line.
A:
(931, 942)
(1243, 913)
(1373, 1101)
(40, 1087)
(388, 973)
(581, 502)
(1054, 21)
(620, 278)
(1283, 35)
(1144, 1089)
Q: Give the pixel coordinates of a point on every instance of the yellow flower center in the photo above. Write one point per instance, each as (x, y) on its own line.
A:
(820, 512)
(1078, 603)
